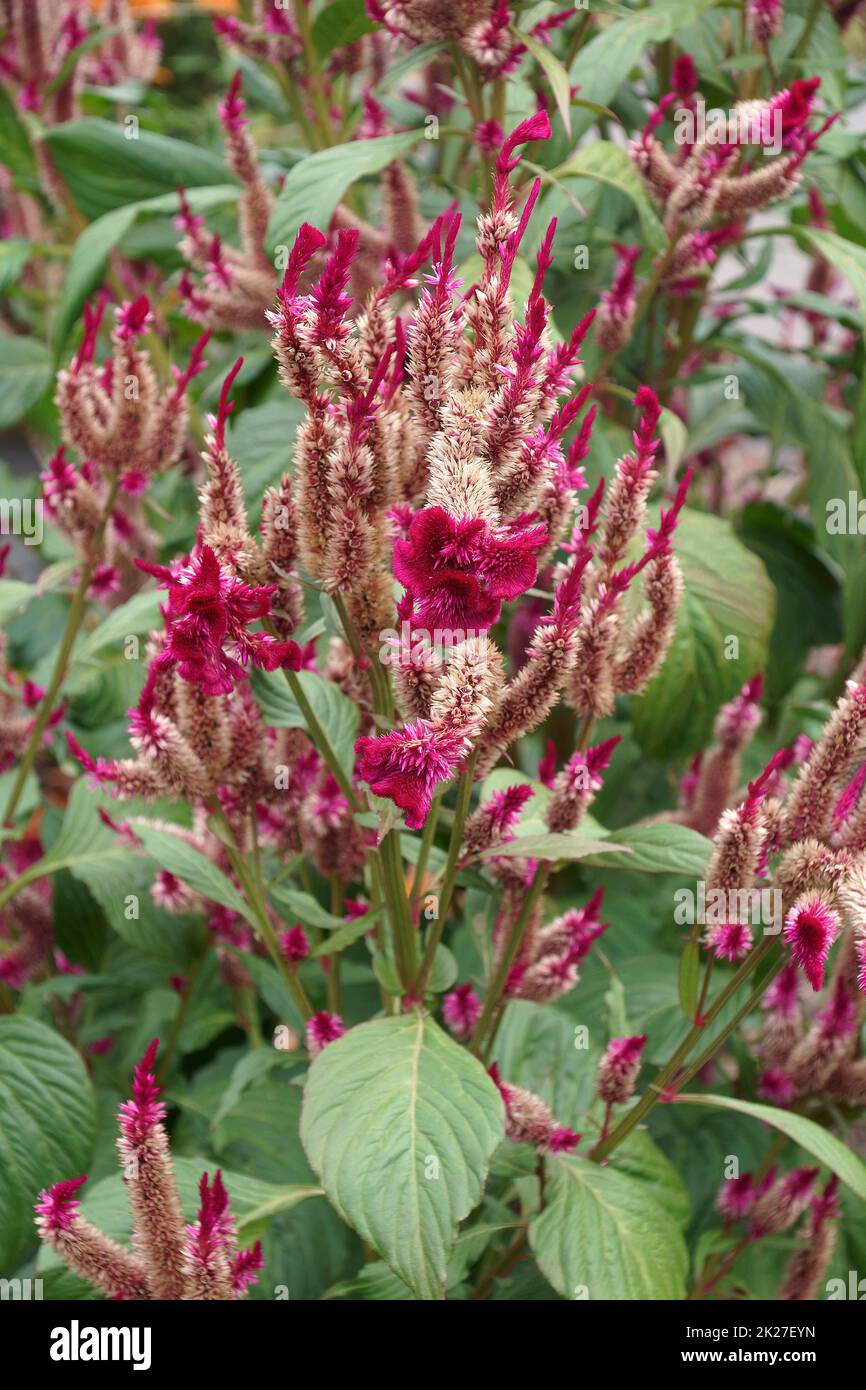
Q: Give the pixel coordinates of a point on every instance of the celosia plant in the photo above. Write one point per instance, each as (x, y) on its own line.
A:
(433, 695)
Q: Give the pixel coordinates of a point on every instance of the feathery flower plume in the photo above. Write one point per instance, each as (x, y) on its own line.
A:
(808, 1265)
(618, 1069)
(811, 927)
(528, 1120)
(321, 1029)
(167, 1261)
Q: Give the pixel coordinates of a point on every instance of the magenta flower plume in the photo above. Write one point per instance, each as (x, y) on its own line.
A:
(58, 1205)
(209, 610)
(619, 1067)
(810, 929)
(730, 940)
(407, 764)
(140, 1116)
(294, 946)
(166, 1260)
(461, 1009)
(321, 1029)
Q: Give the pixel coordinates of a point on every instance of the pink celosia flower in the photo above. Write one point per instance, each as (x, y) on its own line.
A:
(618, 1069)
(528, 1120)
(407, 764)
(775, 1085)
(208, 608)
(294, 945)
(810, 929)
(321, 1029)
(461, 1010)
(730, 940)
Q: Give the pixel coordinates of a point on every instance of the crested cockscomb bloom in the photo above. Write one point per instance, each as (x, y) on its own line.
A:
(461, 1009)
(529, 1120)
(321, 1029)
(615, 317)
(575, 787)
(459, 572)
(158, 1265)
(618, 1069)
(208, 611)
(811, 927)
(407, 764)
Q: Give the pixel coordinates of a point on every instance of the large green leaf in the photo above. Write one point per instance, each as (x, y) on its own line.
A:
(606, 1232)
(104, 170)
(602, 66)
(609, 164)
(660, 848)
(314, 187)
(189, 864)
(727, 595)
(14, 597)
(334, 710)
(551, 847)
(25, 368)
(399, 1124)
(848, 258)
(340, 23)
(47, 1124)
(844, 1162)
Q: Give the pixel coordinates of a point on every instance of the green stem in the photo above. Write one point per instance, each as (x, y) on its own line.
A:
(258, 907)
(398, 908)
(464, 796)
(652, 1095)
(512, 946)
(313, 71)
(179, 1019)
(321, 740)
(73, 624)
(427, 838)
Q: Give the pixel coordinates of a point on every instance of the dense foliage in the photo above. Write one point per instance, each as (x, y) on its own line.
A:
(433, 686)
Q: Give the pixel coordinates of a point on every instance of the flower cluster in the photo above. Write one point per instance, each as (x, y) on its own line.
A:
(167, 1259)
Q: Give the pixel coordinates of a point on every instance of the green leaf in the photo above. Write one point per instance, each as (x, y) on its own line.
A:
(47, 1124)
(608, 163)
(104, 170)
(138, 615)
(554, 71)
(401, 67)
(847, 257)
(660, 848)
(314, 187)
(809, 612)
(347, 935)
(374, 1282)
(690, 966)
(83, 840)
(552, 848)
(606, 1232)
(14, 597)
(14, 255)
(334, 710)
(339, 23)
(305, 908)
(727, 595)
(601, 67)
(25, 366)
(86, 267)
(823, 1145)
(190, 865)
(399, 1123)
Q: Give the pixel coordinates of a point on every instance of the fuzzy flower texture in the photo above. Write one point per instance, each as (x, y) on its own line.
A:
(166, 1259)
